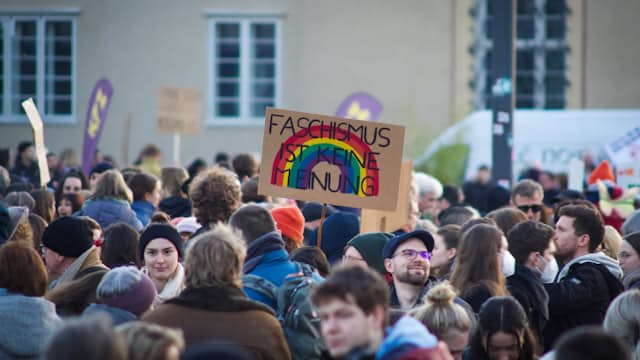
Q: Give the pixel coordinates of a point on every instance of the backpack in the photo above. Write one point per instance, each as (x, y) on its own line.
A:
(297, 316)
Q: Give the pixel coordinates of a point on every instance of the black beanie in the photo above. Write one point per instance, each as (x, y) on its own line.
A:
(155, 231)
(68, 236)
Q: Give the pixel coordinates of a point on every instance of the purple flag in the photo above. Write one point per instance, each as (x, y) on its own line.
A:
(360, 106)
(96, 115)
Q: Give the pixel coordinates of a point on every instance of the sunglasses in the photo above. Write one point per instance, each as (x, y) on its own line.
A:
(411, 254)
(534, 208)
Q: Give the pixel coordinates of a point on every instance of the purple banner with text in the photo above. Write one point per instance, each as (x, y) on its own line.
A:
(360, 106)
(96, 115)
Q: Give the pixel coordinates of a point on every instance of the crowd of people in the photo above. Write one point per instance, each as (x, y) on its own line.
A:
(167, 262)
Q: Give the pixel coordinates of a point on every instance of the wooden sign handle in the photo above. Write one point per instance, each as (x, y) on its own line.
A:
(322, 215)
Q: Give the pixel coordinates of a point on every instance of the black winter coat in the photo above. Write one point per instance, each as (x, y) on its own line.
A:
(580, 298)
(527, 288)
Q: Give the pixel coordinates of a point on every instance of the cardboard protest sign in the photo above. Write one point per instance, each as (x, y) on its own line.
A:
(96, 116)
(38, 139)
(388, 221)
(360, 106)
(330, 160)
(625, 149)
(179, 110)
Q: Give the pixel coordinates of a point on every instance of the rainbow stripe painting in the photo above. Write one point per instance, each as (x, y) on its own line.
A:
(294, 163)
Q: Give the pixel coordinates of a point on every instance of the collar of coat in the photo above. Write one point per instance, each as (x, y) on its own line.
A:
(217, 298)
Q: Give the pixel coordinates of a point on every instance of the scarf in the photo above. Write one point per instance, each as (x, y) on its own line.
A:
(259, 247)
(172, 288)
(73, 269)
(217, 298)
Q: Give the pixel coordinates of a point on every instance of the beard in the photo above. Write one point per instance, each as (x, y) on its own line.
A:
(412, 275)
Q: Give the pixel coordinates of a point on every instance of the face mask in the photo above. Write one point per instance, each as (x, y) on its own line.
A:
(508, 264)
(550, 271)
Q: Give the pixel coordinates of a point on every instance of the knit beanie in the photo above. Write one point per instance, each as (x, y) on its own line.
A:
(188, 225)
(290, 222)
(155, 231)
(136, 299)
(313, 211)
(370, 246)
(68, 236)
(337, 230)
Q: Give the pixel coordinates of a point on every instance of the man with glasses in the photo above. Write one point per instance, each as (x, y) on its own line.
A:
(406, 258)
(527, 196)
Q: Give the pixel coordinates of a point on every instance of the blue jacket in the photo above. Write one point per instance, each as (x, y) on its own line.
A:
(27, 323)
(274, 266)
(405, 336)
(143, 210)
(110, 211)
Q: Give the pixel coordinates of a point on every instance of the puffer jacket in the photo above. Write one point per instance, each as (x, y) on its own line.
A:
(109, 211)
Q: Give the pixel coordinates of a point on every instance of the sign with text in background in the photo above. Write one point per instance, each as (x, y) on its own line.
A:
(38, 139)
(179, 110)
(388, 221)
(331, 160)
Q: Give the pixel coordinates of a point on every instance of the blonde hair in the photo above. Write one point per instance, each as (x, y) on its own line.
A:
(439, 313)
(172, 178)
(623, 320)
(149, 341)
(611, 242)
(111, 184)
(215, 258)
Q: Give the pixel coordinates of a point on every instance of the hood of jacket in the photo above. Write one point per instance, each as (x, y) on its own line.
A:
(594, 258)
(406, 335)
(27, 324)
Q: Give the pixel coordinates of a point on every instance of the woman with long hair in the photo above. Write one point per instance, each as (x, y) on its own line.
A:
(111, 202)
(623, 320)
(174, 201)
(478, 273)
(45, 204)
(446, 241)
(502, 332)
(27, 318)
(629, 258)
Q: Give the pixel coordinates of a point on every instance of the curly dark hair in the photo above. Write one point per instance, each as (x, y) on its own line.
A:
(215, 194)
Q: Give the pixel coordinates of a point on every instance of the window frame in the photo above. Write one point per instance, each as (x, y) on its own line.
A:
(8, 20)
(539, 45)
(245, 74)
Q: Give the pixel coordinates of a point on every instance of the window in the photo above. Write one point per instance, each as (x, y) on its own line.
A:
(244, 68)
(37, 59)
(541, 48)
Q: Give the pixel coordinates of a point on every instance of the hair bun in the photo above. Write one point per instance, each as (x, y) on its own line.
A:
(441, 295)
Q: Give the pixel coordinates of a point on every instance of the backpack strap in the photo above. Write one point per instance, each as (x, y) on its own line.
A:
(260, 285)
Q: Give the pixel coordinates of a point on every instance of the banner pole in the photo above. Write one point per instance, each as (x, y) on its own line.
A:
(176, 149)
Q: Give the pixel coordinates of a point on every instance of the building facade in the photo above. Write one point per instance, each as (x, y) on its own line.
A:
(424, 60)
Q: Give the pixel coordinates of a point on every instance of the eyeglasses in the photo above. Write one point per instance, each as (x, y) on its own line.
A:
(410, 254)
(534, 208)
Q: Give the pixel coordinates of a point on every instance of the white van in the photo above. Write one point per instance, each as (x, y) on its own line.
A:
(550, 138)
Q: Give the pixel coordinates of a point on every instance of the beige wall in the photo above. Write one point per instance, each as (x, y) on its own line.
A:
(411, 54)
